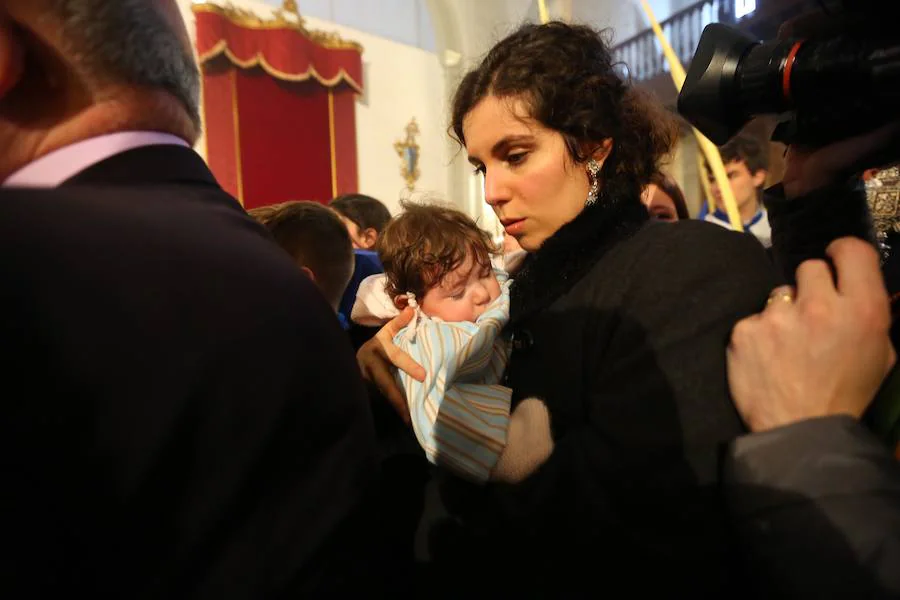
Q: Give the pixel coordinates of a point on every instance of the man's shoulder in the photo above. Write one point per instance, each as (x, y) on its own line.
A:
(115, 212)
(119, 198)
(165, 237)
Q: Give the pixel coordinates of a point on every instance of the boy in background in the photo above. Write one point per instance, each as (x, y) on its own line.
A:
(316, 239)
(747, 166)
(365, 218)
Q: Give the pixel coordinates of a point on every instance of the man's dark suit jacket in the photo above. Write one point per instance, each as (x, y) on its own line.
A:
(182, 414)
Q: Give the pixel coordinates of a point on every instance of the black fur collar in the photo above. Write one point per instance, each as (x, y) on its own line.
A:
(564, 258)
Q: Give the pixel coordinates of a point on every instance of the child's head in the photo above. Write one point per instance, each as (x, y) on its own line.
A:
(440, 255)
(263, 214)
(364, 217)
(746, 161)
(318, 242)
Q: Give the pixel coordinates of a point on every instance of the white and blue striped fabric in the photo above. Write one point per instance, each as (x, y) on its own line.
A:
(460, 413)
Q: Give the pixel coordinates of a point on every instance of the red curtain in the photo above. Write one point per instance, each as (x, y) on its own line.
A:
(279, 108)
(345, 139)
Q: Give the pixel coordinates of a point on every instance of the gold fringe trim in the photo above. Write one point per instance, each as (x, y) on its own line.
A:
(279, 20)
(258, 60)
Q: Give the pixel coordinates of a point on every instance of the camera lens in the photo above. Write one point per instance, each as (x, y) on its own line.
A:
(760, 79)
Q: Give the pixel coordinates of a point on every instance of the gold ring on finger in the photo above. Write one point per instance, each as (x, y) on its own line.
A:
(782, 296)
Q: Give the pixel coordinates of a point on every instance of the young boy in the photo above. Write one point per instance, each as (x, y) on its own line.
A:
(747, 166)
(365, 218)
(316, 239)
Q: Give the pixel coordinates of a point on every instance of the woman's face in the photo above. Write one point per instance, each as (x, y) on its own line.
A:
(659, 204)
(530, 180)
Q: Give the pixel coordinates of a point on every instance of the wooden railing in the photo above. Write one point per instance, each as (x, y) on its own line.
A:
(641, 54)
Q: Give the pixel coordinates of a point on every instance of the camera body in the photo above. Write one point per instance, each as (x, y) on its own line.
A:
(821, 89)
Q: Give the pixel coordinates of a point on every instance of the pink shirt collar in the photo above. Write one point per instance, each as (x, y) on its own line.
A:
(58, 166)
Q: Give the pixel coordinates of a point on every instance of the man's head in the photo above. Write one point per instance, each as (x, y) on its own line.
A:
(317, 240)
(364, 217)
(75, 69)
(746, 164)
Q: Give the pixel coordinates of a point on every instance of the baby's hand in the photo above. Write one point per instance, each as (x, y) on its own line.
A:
(380, 355)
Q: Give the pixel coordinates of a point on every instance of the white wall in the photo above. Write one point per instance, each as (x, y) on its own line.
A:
(404, 21)
(400, 82)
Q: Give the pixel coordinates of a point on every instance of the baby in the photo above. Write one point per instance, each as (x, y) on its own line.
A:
(438, 261)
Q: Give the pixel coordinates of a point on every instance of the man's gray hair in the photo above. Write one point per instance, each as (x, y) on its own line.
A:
(131, 42)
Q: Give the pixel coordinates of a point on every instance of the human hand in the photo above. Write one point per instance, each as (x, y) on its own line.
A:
(379, 355)
(810, 169)
(824, 353)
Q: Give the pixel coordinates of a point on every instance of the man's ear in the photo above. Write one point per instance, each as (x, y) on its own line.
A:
(308, 272)
(369, 238)
(759, 178)
(12, 58)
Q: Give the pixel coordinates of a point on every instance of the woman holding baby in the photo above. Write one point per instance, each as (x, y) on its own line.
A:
(617, 324)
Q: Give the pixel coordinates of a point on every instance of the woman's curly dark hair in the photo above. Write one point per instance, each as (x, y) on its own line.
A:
(566, 75)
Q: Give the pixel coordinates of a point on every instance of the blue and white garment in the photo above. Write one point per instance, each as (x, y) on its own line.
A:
(460, 413)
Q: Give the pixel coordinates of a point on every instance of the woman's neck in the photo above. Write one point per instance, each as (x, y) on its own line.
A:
(569, 253)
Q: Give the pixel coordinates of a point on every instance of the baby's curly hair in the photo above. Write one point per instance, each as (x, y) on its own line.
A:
(425, 242)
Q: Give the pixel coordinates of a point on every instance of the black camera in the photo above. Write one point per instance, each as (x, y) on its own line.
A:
(822, 89)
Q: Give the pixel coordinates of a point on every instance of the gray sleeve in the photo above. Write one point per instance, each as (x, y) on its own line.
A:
(816, 509)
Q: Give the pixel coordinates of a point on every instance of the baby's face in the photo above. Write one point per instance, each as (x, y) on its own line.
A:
(463, 294)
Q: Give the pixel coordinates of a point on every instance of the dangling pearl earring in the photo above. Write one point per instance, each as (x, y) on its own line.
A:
(593, 171)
